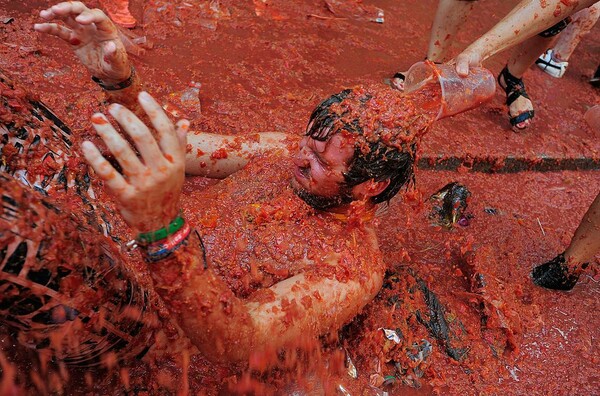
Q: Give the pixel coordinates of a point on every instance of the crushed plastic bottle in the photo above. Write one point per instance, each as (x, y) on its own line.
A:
(186, 103)
(191, 96)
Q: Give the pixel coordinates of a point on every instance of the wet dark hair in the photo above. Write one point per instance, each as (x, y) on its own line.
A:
(376, 161)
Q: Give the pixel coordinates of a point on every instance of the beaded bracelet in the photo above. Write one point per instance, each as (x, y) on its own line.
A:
(162, 249)
(145, 238)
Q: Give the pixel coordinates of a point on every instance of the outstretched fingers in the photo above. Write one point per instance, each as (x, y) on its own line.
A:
(183, 126)
(64, 9)
(118, 146)
(77, 16)
(99, 18)
(66, 12)
(140, 135)
(54, 29)
(112, 179)
(168, 139)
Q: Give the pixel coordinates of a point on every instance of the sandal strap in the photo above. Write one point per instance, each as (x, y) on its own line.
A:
(526, 115)
(514, 86)
(516, 94)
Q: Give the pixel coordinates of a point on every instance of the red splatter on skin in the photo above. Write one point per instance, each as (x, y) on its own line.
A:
(543, 3)
(169, 158)
(75, 41)
(517, 32)
(557, 11)
(306, 302)
(219, 154)
(99, 120)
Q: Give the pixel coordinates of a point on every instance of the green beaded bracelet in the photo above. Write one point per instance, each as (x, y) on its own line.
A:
(153, 236)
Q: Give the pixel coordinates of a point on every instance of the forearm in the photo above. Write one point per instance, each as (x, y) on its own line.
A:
(127, 96)
(212, 317)
(527, 19)
(218, 156)
(450, 15)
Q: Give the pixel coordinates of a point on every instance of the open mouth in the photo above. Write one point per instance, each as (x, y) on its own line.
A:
(301, 173)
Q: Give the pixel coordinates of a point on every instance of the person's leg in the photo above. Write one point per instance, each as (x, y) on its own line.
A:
(520, 107)
(525, 54)
(582, 23)
(556, 60)
(450, 15)
(563, 271)
(586, 241)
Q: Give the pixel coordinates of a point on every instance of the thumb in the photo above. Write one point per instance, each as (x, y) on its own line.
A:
(109, 52)
(462, 65)
(182, 129)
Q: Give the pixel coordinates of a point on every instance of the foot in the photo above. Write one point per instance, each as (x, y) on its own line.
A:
(397, 81)
(520, 107)
(551, 65)
(554, 274)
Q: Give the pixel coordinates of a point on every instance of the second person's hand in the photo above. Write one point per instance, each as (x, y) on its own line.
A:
(93, 37)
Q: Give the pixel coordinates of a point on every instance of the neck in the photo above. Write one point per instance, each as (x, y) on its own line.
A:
(361, 211)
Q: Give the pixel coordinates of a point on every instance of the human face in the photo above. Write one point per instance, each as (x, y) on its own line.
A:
(319, 170)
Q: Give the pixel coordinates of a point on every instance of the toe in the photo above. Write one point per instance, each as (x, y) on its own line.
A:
(398, 84)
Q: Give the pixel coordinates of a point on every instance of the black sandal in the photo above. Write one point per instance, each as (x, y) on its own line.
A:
(555, 274)
(515, 88)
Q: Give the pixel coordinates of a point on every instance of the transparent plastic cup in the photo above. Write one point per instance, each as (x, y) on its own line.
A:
(458, 93)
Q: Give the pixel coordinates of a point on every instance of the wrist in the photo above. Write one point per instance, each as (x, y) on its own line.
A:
(163, 248)
(160, 229)
(161, 243)
(116, 85)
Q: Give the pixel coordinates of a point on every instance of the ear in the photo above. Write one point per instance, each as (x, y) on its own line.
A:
(370, 188)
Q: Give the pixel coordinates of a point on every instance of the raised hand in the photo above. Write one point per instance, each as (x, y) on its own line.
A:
(93, 37)
(148, 188)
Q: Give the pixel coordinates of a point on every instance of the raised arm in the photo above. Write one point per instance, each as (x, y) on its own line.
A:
(95, 40)
(528, 18)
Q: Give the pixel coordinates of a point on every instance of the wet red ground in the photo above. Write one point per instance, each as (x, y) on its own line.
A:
(266, 73)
